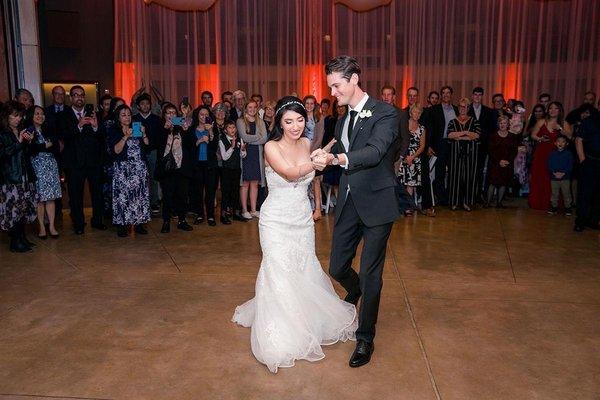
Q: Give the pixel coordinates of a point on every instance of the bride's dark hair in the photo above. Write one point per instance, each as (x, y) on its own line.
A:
(287, 103)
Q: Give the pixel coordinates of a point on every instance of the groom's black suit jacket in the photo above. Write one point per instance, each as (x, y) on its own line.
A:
(370, 174)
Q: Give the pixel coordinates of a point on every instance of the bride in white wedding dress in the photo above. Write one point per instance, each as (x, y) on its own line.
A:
(295, 310)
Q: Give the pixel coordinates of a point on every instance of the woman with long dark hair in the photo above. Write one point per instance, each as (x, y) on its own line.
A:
(295, 310)
(544, 134)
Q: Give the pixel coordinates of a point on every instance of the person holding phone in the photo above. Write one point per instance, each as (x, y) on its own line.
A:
(17, 178)
(130, 189)
(46, 170)
(203, 190)
(174, 169)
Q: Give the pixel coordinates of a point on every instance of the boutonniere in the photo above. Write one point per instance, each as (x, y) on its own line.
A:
(365, 114)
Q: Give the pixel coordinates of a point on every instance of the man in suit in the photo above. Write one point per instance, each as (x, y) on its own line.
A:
(239, 103)
(152, 124)
(436, 119)
(485, 116)
(82, 158)
(52, 112)
(368, 206)
(388, 95)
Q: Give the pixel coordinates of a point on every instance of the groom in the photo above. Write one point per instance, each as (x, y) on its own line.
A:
(367, 206)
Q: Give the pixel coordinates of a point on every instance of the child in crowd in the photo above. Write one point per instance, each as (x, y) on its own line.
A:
(560, 166)
(231, 150)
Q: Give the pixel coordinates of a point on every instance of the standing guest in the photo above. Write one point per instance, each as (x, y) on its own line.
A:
(525, 150)
(589, 100)
(174, 168)
(437, 120)
(25, 97)
(433, 98)
(202, 192)
(227, 97)
(333, 174)
(152, 126)
(83, 157)
(463, 135)
(17, 178)
(315, 130)
(485, 116)
(545, 99)
(104, 109)
(544, 134)
(220, 111)
(46, 171)
(502, 150)
(52, 112)
(269, 116)
(130, 193)
(107, 160)
(259, 103)
(253, 132)
(388, 95)
(498, 102)
(239, 103)
(588, 152)
(410, 170)
(207, 98)
(560, 166)
(231, 152)
(325, 108)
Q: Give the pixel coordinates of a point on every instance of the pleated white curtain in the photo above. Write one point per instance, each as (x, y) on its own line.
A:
(518, 47)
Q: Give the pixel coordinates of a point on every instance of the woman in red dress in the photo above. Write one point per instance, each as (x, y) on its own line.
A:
(545, 133)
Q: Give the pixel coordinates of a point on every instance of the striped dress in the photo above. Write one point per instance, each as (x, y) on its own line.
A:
(462, 165)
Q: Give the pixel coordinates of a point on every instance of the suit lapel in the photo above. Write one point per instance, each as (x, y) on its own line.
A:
(339, 131)
(369, 105)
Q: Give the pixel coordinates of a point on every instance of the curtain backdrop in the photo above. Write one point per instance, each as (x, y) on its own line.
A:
(518, 47)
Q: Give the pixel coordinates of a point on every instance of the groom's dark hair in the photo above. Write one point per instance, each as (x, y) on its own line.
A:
(346, 65)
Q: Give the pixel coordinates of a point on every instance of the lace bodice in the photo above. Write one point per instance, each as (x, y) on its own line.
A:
(276, 181)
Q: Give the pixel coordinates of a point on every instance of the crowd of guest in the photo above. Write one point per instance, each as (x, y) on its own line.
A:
(154, 158)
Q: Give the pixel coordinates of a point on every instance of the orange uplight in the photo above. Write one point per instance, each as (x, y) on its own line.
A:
(207, 78)
(311, 80)
(512, 76)
(125, 80)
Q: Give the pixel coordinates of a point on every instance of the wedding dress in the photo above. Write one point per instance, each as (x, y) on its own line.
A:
(295, 310)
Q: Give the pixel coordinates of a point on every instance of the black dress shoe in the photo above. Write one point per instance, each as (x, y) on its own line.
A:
(43, 237)
(140, 230)
(184, 226)
(79, 231)
(100, 226)
(237, 217)
(198, 220)
(122, 231)
(362, 354)
(18, 246)
(211, 222)
(166, 227)
(54, 236)
(352, 298)
(225, 220)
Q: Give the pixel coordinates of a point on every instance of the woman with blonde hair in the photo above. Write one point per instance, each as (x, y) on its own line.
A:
(253, 132)
(463, 137)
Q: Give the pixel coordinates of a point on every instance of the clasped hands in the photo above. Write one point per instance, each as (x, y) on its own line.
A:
(321, 158)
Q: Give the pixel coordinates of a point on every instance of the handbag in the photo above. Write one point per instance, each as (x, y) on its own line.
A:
(165, 165)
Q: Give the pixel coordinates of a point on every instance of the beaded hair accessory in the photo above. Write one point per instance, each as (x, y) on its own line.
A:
(289, 103)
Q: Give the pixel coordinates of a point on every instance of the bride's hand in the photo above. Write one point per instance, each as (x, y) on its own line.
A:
(329, 146)
(317, 153)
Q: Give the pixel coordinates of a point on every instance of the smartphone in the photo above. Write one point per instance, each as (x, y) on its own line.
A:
(177, 121)
(185, 101)
(208, 120)
(137, 130)
(88, 110)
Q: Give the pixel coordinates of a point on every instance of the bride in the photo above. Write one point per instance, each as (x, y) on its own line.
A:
(295, 309)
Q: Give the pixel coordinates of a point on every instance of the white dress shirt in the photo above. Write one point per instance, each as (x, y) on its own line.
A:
(344, 137)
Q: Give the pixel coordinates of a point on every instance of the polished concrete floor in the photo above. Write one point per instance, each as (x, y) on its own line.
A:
(487, 305)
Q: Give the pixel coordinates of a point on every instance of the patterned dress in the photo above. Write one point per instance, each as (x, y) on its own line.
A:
(46, 171)
(130, 190)
(410, 175)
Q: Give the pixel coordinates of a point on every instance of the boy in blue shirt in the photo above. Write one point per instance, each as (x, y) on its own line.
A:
(560, 165)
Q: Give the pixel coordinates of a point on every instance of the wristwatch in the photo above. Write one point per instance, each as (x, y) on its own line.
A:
(336, 160)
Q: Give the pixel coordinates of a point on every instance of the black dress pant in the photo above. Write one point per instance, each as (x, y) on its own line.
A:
(348, 232)
(425, 190)
(440, 190)
(588, 193)
(230, 189)
(203, 190)
(175, 190)
(76, 178)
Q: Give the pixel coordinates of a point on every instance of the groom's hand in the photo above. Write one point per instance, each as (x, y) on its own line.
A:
(317, 153)
(319, 162)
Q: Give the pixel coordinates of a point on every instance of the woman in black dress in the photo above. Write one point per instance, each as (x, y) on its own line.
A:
(463, 137)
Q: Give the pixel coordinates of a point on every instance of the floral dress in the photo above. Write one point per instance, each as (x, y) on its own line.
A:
(130, 189)
(410, 175)
(46, 171)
